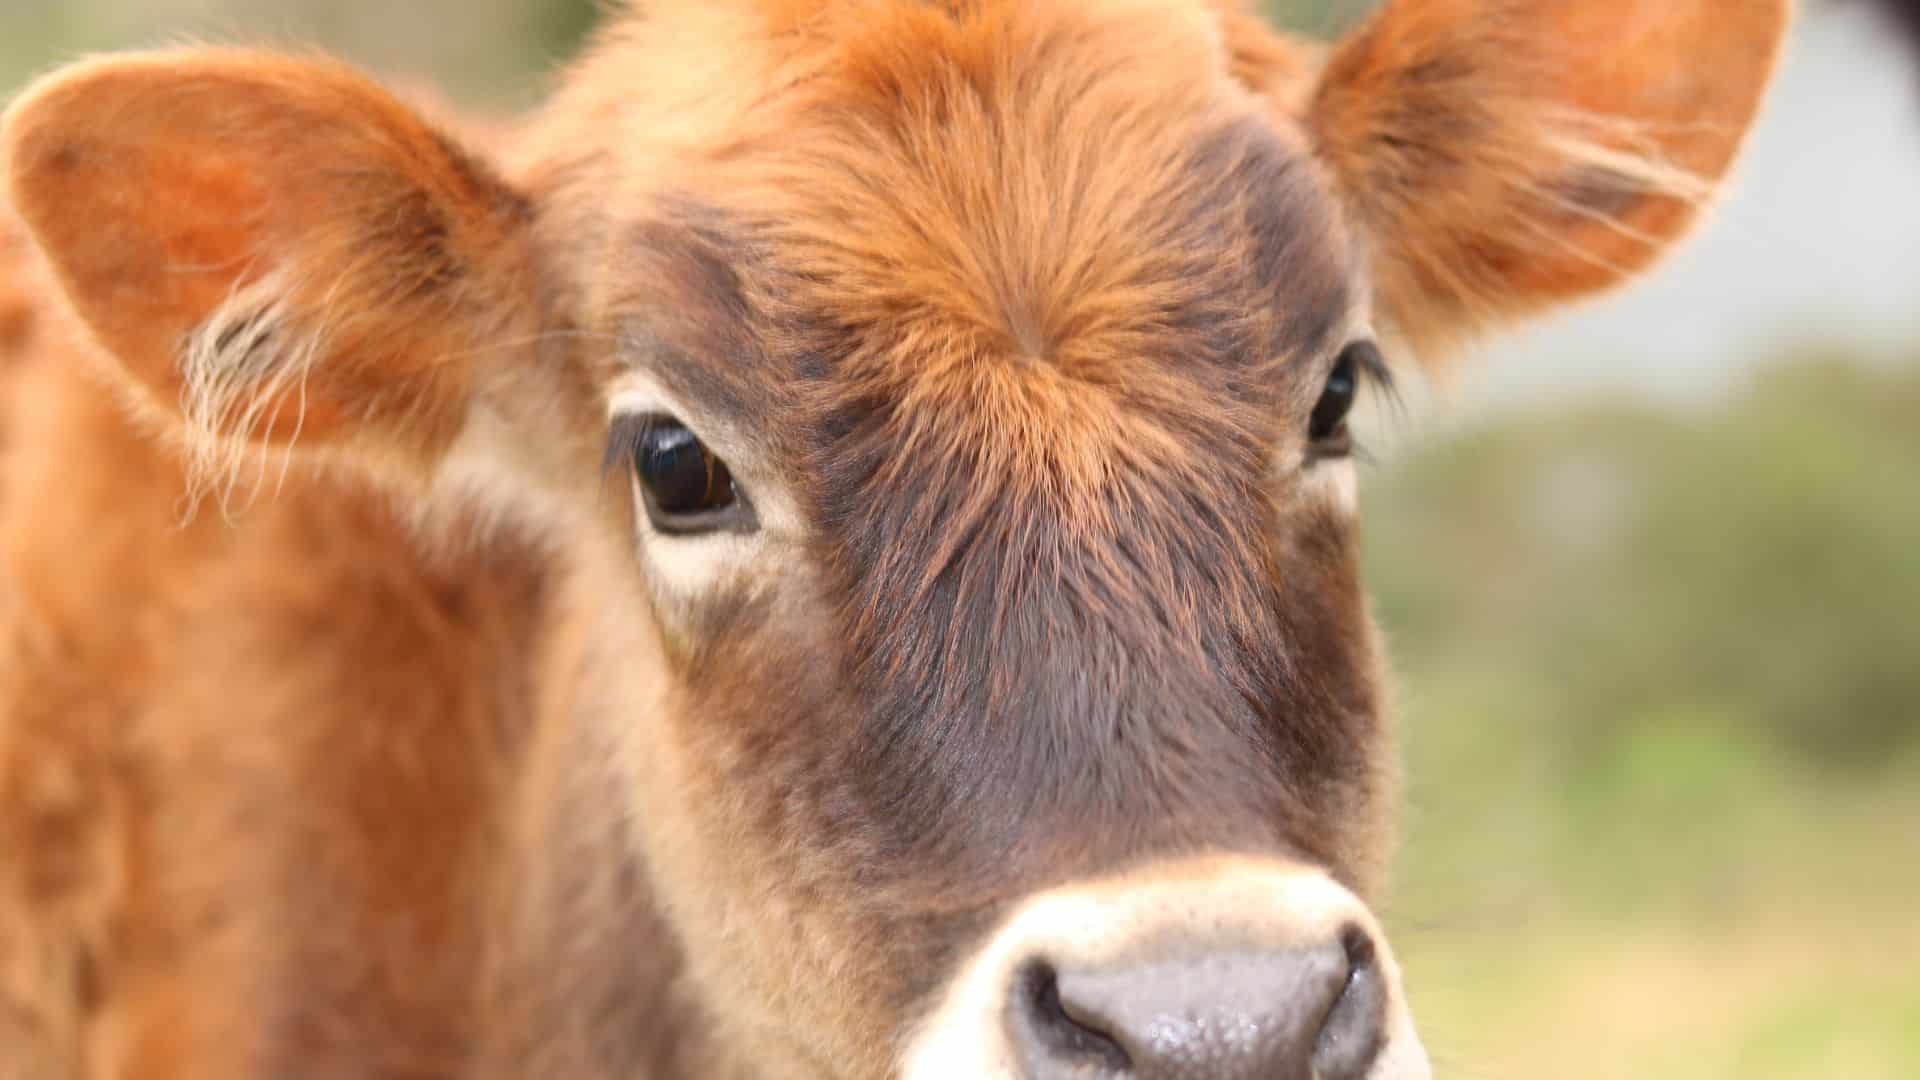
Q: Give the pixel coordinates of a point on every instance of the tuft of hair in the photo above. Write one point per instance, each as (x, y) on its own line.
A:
(242, 371)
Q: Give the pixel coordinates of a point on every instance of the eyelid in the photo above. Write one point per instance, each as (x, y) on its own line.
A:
(1372, 365)
(638, 395)
(625, 434)
(1372, 373)
(1376, 377)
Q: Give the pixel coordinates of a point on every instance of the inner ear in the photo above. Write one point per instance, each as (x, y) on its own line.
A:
(275, 247)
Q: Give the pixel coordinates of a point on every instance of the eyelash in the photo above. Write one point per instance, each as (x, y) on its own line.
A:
(626, 435)
(1378, 374)
(1359, 367)
(1377, 383)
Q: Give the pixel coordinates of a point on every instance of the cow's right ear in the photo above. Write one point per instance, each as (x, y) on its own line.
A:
(276, 248)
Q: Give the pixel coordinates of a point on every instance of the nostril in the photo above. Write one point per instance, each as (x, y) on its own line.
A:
(1355, 1030)
(1359, 947)
(1222, 1013)
(1052, 1035)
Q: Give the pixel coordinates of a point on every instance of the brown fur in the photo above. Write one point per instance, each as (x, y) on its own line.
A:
(1021, 307)
(129, 760)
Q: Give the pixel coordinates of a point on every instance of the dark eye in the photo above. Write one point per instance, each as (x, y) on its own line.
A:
(684, 486)
(1328, 427)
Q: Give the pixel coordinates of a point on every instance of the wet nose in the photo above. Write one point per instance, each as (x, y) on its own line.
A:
(1314, 1012)
(1210, 968)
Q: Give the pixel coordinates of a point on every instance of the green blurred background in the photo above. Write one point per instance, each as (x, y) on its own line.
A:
(1659, 653)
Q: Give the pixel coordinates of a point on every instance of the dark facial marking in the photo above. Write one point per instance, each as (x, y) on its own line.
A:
(691, 311)
(1152, 677)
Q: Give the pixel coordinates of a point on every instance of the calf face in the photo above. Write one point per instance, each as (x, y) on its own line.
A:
(940, 409)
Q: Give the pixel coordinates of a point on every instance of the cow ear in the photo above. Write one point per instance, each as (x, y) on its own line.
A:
(276, 248)
(1502, 156)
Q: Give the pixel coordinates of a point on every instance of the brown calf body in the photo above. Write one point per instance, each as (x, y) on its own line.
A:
(248, 866)
(360, 716)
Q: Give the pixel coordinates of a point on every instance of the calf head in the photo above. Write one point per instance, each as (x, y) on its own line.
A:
(941, 408)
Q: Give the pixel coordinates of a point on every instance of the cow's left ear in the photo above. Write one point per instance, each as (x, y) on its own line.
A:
(276, 247)
(1502, 156)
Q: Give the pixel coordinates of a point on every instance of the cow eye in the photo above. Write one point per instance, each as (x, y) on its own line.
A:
(685, 487)
(1328, 427)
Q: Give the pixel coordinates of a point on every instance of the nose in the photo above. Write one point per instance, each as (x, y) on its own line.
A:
(1307, 1013)
(1218, 968)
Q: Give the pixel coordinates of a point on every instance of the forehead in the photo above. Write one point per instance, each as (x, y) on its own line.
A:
(1003, 201)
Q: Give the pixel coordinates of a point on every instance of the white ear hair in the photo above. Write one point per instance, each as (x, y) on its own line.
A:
(242, 367)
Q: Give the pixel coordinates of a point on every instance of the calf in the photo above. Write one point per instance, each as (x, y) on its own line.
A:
(829, 553)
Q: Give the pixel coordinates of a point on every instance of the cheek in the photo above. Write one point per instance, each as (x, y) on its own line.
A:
(1364, 799)
(737, 796)
(1335, 721)
(731, 745)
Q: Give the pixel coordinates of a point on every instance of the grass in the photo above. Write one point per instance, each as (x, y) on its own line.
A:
(1802, 995)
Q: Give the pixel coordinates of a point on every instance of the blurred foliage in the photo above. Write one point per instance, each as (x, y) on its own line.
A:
(1321, 18)
(1661, 707)
(1625, 571)
(493, 52)
(1640, 619)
